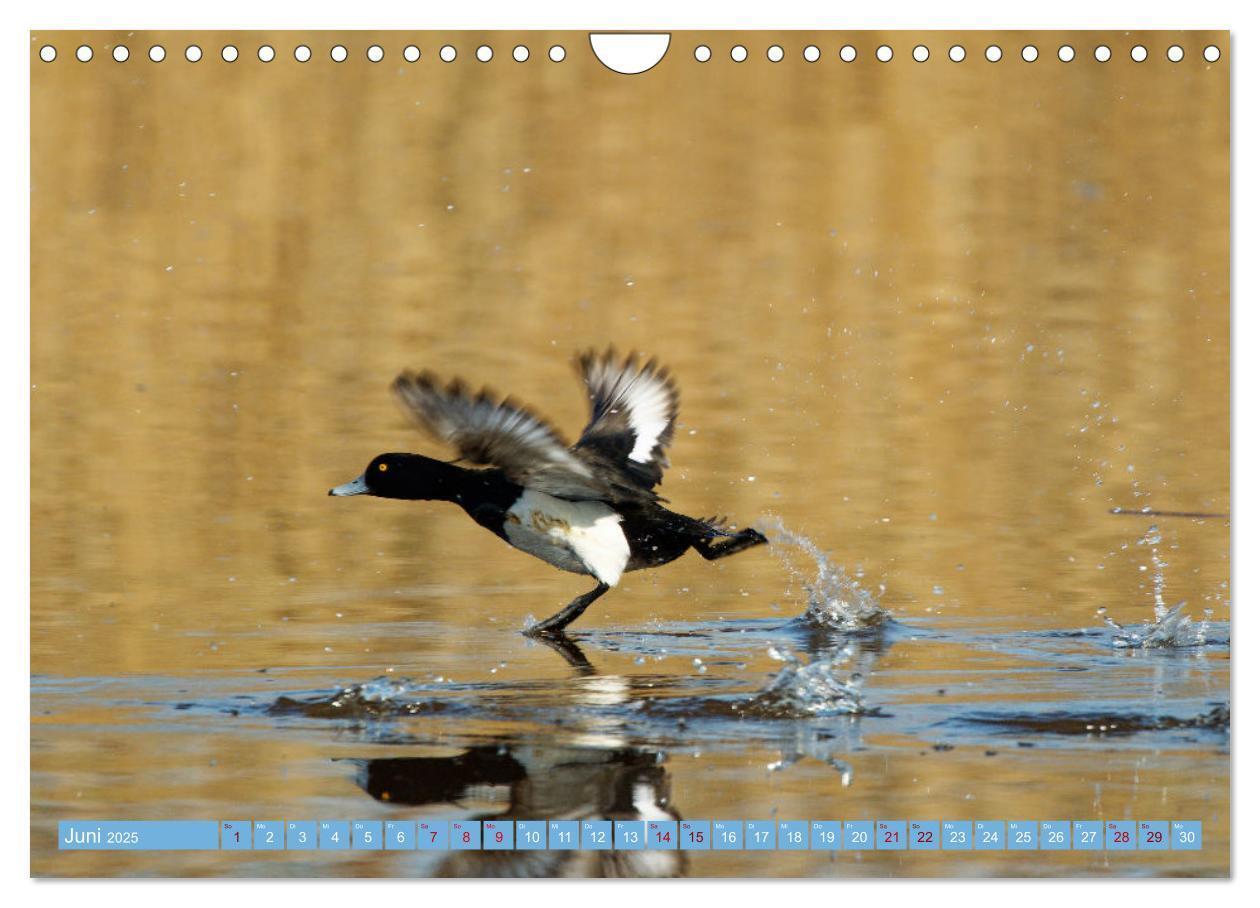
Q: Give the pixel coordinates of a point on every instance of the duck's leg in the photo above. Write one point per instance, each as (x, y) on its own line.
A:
(567, 615)
(712, 550)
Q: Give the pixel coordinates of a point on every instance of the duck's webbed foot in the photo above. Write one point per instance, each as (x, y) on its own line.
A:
(713, 549)
(567, 615)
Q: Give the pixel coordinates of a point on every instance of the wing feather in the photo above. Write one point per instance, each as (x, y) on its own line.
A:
(633, 411)
(499, 433)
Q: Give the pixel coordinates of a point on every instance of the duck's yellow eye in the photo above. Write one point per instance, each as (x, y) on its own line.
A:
(383, 467)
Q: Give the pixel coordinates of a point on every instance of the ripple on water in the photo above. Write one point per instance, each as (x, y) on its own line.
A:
(1097, 724)
(378, 698)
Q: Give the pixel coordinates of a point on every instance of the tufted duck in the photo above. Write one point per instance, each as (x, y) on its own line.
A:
(590, 508)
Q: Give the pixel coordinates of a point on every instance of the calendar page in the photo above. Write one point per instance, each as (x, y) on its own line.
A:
(688, 453)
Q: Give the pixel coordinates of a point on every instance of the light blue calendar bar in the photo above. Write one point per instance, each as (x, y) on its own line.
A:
(728, 835)
(597, 835)
(268, 835)
(662, 835)
(400, 836)
(759, 835)
(890, 835)
(531, 835)
(694, 835)
(1186, 835)
(1021, 835)
(924, 835)
(138, 835)
(1087, 835)
(497, 835)
(334, 835)
(1153, 835)
(465, 835)
(826, 835)
(859, 835)
(793, 835)
(1056, 835)
(990, 835)
(433, 835)
(956, 835)
(629, 835)
(1121, 835)
(236, 835)
(301, 835)
(367, 835)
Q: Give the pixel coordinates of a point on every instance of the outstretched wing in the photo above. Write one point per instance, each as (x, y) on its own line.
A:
(633, 410)
(501, 434)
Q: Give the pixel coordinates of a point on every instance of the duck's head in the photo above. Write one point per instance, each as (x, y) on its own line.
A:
(410, 476)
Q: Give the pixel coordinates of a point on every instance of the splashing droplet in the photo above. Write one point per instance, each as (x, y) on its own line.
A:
(835, 600)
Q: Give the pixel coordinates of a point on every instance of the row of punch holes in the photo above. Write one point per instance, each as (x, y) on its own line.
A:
(338, 53)
(703, 53)
(920, 53)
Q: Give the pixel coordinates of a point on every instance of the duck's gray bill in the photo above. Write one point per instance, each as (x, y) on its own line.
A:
(353, 487)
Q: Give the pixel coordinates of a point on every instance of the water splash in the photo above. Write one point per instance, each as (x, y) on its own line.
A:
(836, 600)
(1170, 628)
(818, 688)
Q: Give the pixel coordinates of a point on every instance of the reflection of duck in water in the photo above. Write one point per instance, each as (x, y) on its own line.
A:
(587, 509)
(524, 782)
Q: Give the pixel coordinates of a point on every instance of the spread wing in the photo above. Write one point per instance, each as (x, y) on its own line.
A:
(633, 410)
(499, 434)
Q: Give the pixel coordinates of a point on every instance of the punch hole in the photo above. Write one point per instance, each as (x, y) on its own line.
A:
(266, 53)
(485, 53)
(811, 54)
(883, 53)
(1176, 54)
(121, 54)
(739, 53)
(192, 53)
(556, 53)
(703, 54)
(958, 53)
(447, 53)
(1138, 54)
(1211, 53)
(628, 53)
(1102, 53)
(229, 53)
(993, 53)
(48, 53)
(375, 53)
(157, 53)
(1029, 53)
(302, 53)
(774, 53)
(920, 53)
(520, 53)
(1067, 53)
(848, 53)
(411, 53)
(83, 53)
(339, 53)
